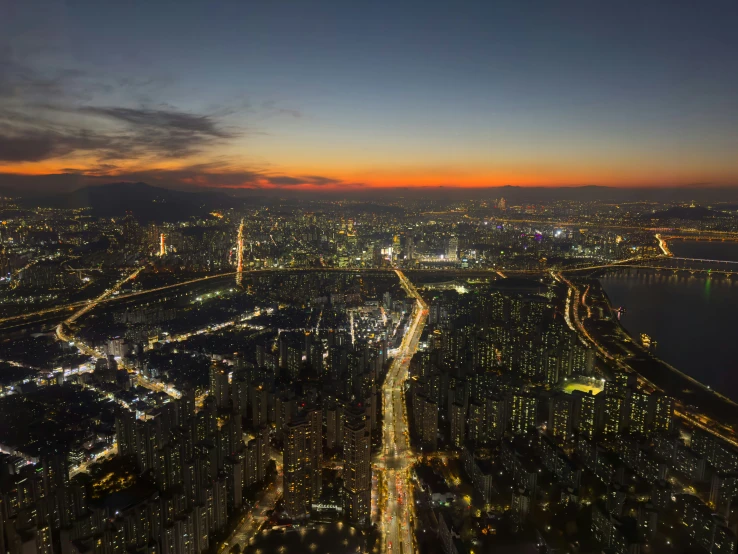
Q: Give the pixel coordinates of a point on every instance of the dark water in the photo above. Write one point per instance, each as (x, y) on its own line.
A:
(694, 319)
(706, 250)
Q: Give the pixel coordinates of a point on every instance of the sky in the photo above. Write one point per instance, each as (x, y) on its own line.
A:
(315, 94)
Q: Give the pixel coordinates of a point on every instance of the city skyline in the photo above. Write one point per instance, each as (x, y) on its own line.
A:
(412, 277)
(429, 376)
(331, 96)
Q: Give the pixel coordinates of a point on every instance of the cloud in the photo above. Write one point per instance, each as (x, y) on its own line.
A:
(169, 120)
(44, 133)
(41, 120)
(271, 107)
(18, 81)
(58, 115)
(49, 111)
(169, 133)
(316, 180)
(194, 177)
(18, 144)
(98, 170)
(291, 112)
(225, 176)
(25, 149)
(321, 181)
(26, 84)
(283, 180)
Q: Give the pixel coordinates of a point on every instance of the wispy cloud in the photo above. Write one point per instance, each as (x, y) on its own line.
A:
(164, 119)
(316, 180)
(61, 116)
(19, 144)
(166, 132)
(25, 148)
(271, 107)
(50, 112)
(108, 133)
(198, 176)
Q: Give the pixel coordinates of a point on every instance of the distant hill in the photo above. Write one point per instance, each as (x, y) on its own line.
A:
(151, 203)
(696, 213)
(145, 202)
(370, 207)
(8, 192)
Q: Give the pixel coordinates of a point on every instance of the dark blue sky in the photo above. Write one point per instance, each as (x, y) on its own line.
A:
(316, 93)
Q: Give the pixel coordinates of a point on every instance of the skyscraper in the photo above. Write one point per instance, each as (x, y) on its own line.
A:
(523, 412)
(55, 472)
(357, 471)
(452, 252)
(219, 385)
(613, 414)
(297, 468)
(561, 417)
(257, 458)
(315, 420)
(639, 412)
(587, 413)
(409, 248)
(427, 422)
(662, 407)
(240, 396)
(303, 461)
(259, 405)
(458, 424)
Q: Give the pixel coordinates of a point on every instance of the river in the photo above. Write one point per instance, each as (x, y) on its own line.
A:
(694, 319)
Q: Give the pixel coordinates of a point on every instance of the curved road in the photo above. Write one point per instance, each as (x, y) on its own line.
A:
(574, 301)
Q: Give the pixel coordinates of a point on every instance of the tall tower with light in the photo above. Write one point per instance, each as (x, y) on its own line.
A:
(239, 255)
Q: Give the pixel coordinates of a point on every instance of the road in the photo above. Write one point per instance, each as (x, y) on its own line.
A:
(396, 505)
(576, 300)
(254, 519)
(63, 334)
(663, 246)
(106, 297)
(72, 306)
(60, 330)
(84, 467)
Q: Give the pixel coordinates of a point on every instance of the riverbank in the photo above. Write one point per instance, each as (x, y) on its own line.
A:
(703, 402)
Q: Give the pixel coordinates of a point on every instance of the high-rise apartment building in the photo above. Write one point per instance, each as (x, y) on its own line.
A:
(357, 470)
(613, 414)
(639, 412)
(219, 385)
(561, 417)
(662, 407)
(523, 412)
(587, 414)
(297, 468)
(458, 424)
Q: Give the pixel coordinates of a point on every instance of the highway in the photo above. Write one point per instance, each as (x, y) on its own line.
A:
(253, 520)
(396, 504)
(108, 297)
(240, 272)
(575, 300)
(663, 246)
(60, 332)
